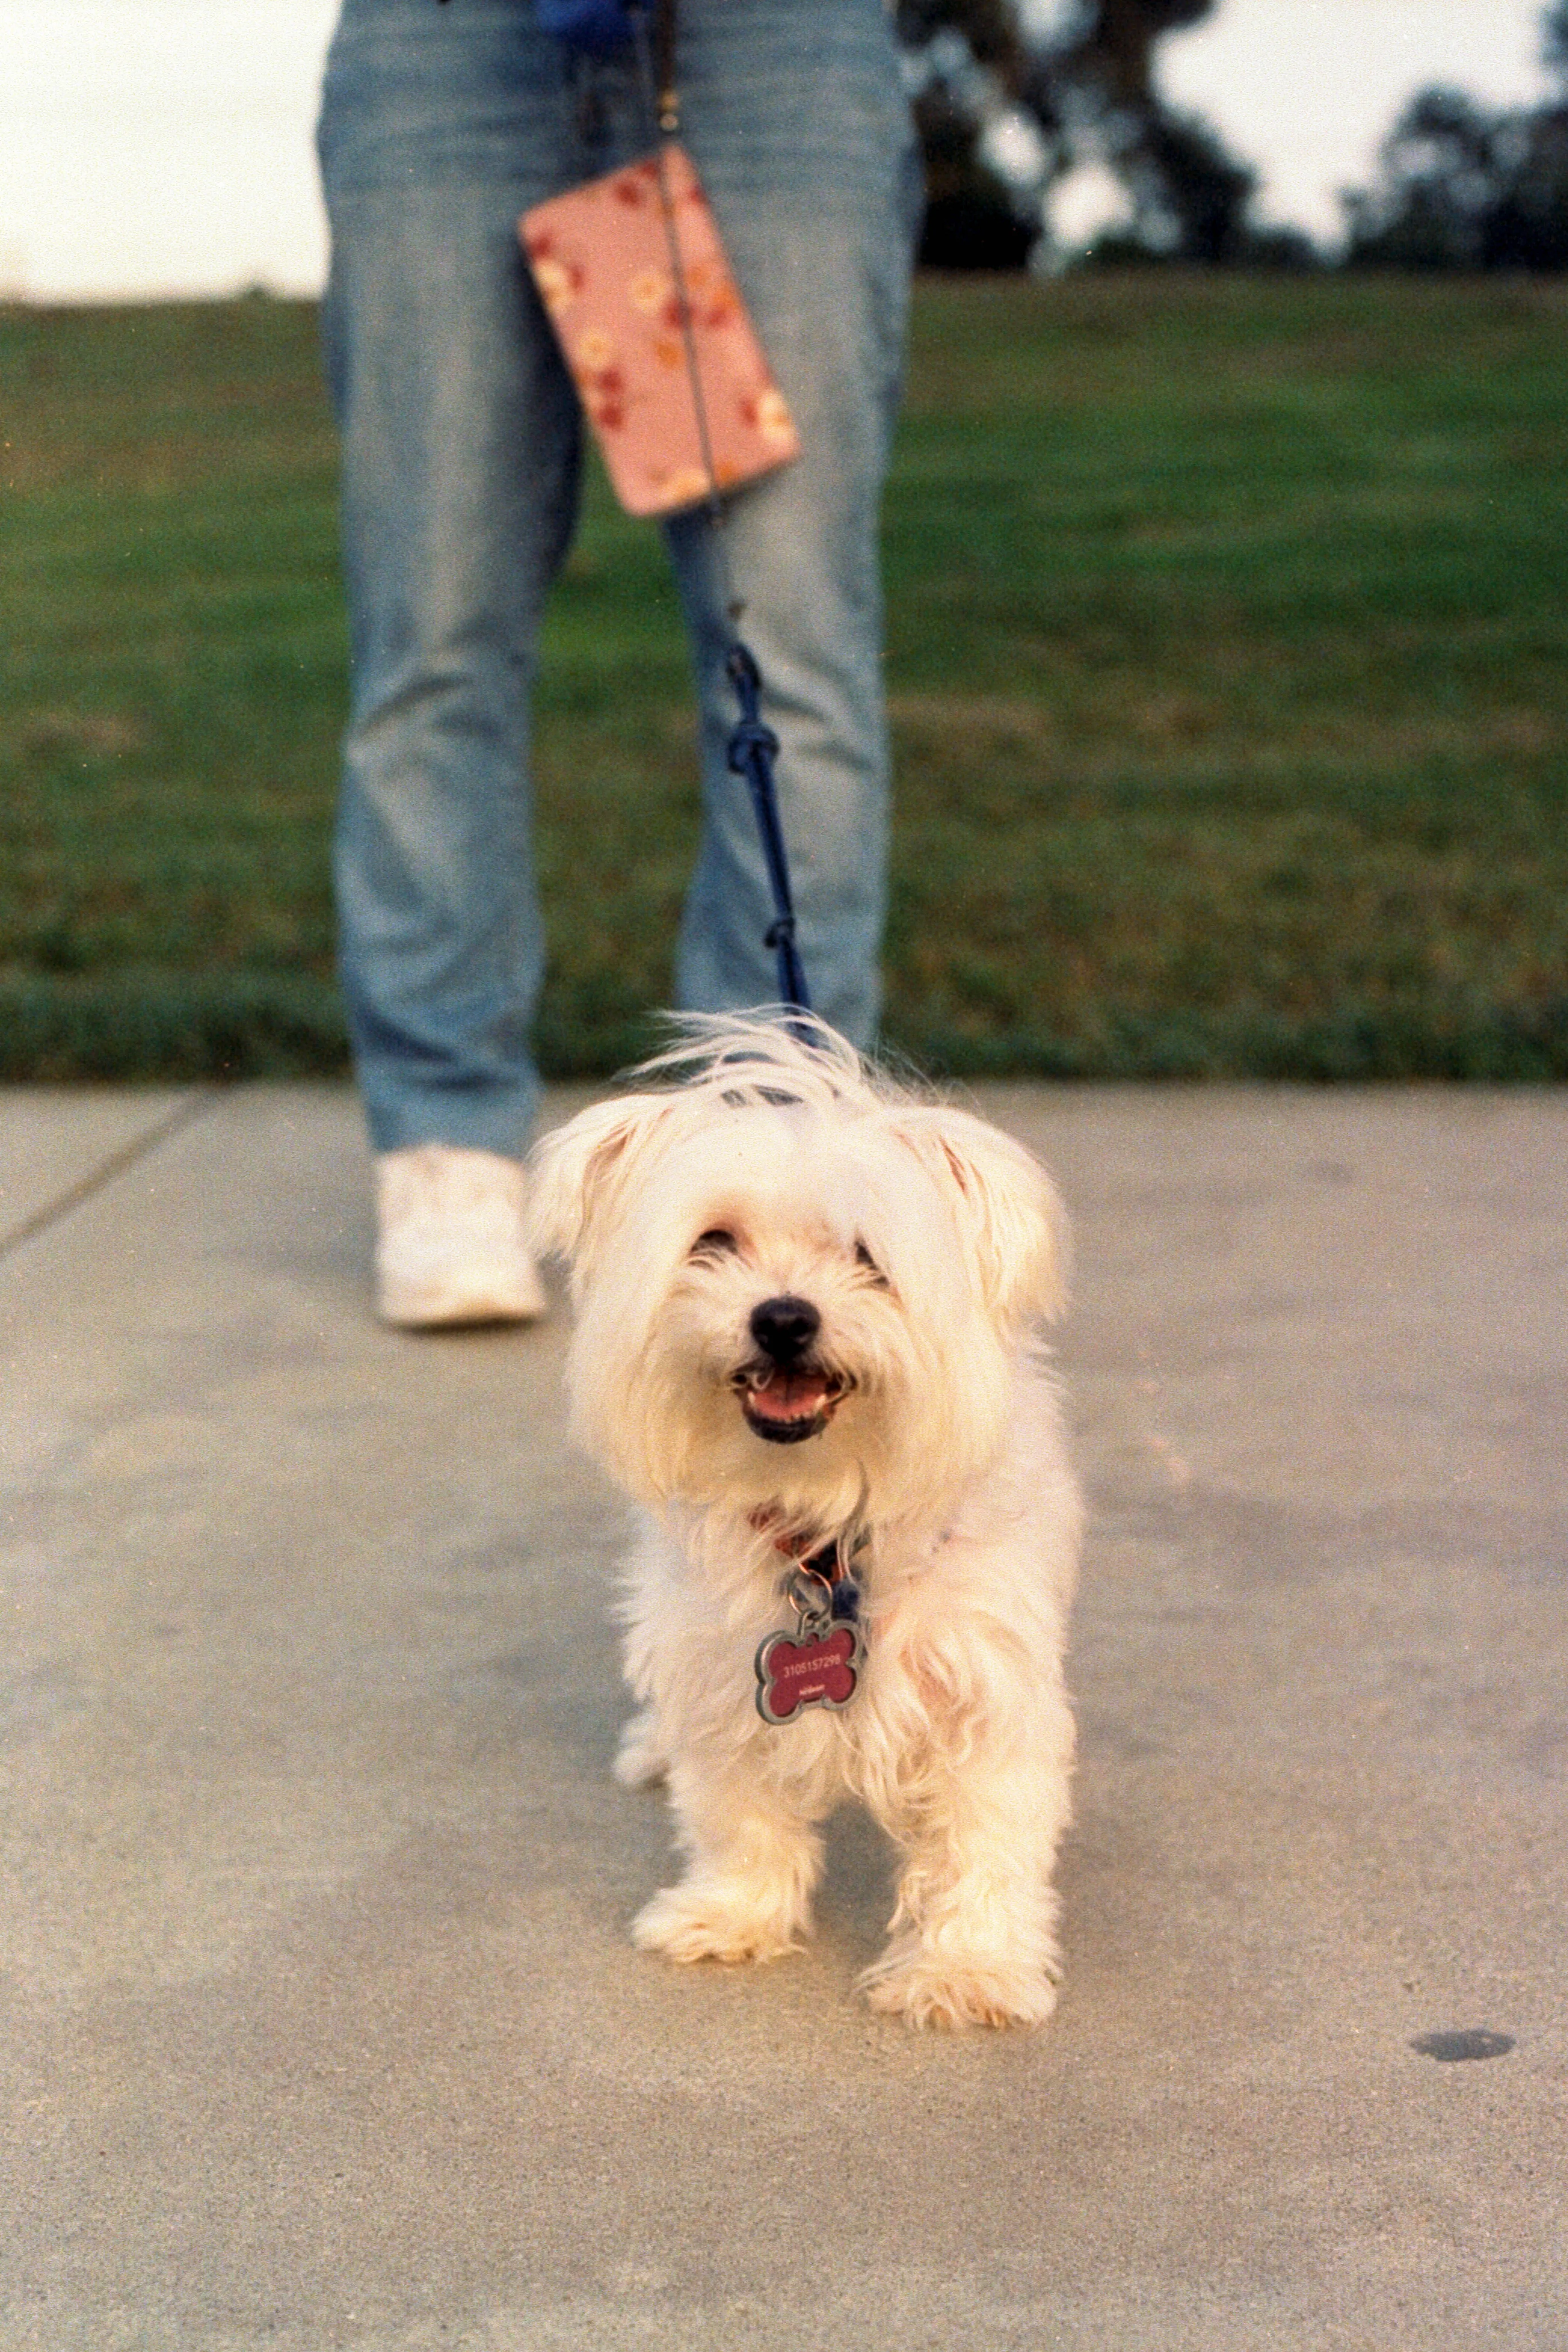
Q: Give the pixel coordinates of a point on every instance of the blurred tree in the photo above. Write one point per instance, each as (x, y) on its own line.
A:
(964, 61)
(1463, 187)
(1466, 186)
(990, 27)
(962, 76)
(1112, 47)
(1554, 39)
(1046, 88)
(1440, 176)
(1190, 194)
(1528, 226)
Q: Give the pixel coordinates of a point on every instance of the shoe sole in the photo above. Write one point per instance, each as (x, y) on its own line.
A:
(413, 1307)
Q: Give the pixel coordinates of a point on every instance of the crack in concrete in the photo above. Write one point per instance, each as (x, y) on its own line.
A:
(189, 1108)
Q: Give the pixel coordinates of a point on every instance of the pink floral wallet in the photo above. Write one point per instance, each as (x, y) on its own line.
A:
(601, 259)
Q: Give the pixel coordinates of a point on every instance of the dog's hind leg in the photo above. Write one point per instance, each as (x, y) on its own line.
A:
(640, 1758)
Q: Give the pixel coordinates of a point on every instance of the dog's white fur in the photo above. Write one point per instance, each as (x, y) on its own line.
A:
(946, 1450)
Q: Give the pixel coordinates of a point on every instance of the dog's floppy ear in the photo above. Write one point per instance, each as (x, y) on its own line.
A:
(1009, 1213)
(577, 1172)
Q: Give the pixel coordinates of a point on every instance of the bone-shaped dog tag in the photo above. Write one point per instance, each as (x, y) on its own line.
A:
(818, 1665)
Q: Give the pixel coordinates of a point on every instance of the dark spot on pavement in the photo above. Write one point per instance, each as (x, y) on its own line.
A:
(1470, 2044)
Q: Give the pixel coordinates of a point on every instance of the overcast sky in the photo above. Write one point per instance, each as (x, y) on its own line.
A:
(156, 147)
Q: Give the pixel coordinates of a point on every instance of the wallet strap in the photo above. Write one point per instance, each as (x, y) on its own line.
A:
(664, 68)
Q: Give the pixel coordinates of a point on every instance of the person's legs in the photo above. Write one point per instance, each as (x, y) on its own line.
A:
(459, 453)
(795, 116)
(460, 442)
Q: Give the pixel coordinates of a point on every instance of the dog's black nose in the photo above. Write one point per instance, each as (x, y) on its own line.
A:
(785, 1327)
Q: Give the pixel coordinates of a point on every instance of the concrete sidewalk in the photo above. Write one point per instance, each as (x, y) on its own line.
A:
(322, 2023)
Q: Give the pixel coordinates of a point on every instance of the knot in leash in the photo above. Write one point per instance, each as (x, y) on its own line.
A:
(749, 738)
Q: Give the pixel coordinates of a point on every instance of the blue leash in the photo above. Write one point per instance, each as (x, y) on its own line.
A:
(754, 748)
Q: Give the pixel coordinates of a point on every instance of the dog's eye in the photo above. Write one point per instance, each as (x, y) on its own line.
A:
(716, 1242)
(863, 1257)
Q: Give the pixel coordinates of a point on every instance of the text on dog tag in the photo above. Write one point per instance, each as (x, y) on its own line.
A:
(816, 1670)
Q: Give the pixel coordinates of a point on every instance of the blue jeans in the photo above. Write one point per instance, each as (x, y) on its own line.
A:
(461, 447)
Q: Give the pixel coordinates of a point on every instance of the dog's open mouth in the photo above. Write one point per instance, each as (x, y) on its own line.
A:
(786, 1406)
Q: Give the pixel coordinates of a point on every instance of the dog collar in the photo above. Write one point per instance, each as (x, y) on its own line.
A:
(833, 1563)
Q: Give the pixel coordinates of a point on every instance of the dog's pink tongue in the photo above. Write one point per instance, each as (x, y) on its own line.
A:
(789, 1396)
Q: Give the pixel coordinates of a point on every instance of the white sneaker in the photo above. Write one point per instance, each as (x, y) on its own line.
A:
(449, 1246)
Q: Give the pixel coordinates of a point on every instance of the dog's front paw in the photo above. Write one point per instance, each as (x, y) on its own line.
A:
(950, 1991)
(714, 1919)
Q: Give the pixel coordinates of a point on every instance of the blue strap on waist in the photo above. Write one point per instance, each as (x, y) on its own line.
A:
(597, 25)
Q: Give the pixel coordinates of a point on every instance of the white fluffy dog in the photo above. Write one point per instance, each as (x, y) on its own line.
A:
(806, 1305)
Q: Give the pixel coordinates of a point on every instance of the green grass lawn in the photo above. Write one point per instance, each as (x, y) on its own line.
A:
(1228, 655)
